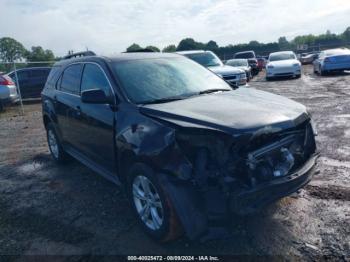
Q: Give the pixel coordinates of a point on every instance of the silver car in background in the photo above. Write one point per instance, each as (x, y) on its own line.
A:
(241, 64)
(8, 91)
(233, 76)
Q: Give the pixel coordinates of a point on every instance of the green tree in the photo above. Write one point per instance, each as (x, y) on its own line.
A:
(346, 34)
(11, 50)
(189, 44)
(133, 47)
(153, 48)
(283, 43)
(211, 45)
(169, 49)
(37, 53)
(254, 43)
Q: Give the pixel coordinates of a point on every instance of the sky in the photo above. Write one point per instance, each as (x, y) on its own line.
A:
(109, 26)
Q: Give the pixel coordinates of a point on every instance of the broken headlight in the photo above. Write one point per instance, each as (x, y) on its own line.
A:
(312, 123)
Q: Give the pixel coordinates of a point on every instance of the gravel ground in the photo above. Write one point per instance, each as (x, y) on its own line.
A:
(47, 209)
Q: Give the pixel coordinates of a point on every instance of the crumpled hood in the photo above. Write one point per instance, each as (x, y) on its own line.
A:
(225, 70)
(284, 63)
(241, 110)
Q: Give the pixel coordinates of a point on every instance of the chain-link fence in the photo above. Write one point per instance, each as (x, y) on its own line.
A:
(28, 77)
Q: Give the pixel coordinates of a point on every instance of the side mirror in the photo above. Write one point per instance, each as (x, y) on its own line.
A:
(94, 96)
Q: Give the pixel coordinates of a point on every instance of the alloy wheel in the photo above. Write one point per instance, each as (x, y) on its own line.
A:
(53, 143)
(147, 202)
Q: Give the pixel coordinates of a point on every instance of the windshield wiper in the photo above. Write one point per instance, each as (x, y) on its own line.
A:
(163, 100)
(213, 90)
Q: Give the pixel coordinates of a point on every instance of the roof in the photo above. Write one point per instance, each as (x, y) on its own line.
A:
(191, 52)
(282, 52)
(119, 57)
(249, 51)
(340, 50)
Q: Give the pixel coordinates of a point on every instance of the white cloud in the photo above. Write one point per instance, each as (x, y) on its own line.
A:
(109, 26)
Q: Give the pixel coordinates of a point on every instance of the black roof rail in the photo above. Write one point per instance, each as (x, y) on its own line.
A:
(79, 54)
(142, 50)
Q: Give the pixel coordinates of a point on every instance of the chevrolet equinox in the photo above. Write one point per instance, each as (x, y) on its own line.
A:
(189, 150)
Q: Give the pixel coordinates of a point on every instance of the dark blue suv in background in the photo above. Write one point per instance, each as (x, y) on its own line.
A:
(189, 150)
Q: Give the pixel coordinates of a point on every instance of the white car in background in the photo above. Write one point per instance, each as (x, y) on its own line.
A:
(283, 64)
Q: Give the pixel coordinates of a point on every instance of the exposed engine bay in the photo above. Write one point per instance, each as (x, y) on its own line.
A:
(251, 160)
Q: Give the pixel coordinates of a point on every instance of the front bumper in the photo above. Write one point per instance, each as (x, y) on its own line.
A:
(206, 214)
(254, 200)
(283, 72)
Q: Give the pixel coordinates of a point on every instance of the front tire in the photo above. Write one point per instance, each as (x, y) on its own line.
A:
(151, 204)
(55, 147)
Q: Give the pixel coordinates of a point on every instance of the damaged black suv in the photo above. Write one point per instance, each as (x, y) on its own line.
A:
(189, 150)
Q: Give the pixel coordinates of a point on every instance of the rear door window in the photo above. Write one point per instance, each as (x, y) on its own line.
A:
(70, 82)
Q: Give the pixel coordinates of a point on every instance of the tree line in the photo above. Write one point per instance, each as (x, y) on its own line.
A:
(313, 42)
(12, 50)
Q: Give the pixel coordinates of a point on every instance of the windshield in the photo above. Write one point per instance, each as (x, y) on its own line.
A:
(205, 59)
(237, 62)
(283, 56)
(153, 79)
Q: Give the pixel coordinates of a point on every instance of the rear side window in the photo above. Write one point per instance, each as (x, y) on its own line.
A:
(22, 75)
(53, 76)
(70, 81)
(94, 78)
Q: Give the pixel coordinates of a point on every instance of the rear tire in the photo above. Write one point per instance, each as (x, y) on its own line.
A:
(151, 204)
(1, 106)
(55, 147)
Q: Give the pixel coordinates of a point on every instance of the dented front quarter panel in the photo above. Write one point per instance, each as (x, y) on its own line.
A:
(142, 139)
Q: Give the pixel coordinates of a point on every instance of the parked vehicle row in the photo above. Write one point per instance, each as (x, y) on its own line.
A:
(188, 149)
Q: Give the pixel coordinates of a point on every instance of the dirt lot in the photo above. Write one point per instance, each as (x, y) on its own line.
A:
(50, 209)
